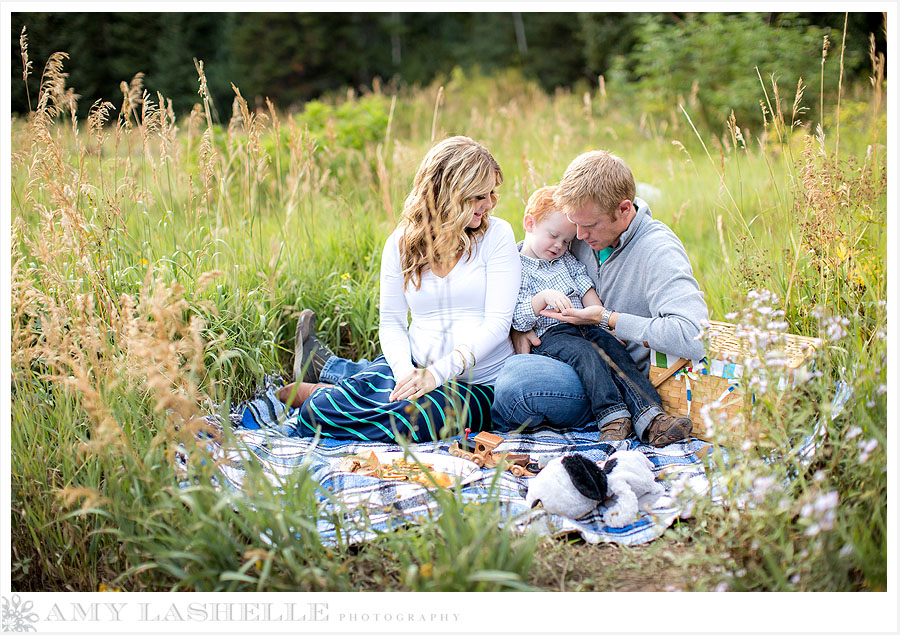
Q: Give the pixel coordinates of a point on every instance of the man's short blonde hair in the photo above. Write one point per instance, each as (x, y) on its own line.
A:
(598, 176)
(540, 204)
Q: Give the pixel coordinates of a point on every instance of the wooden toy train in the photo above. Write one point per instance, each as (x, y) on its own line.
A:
(484, 455)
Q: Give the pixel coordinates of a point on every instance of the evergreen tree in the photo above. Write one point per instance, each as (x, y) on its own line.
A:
(294, 57)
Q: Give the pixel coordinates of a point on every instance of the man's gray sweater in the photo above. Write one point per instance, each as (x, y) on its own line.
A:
(649, 281)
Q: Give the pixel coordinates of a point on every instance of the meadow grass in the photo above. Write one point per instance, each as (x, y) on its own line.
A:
(159, 265)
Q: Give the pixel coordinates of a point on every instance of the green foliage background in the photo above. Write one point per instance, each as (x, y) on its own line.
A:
(708, 60)
(294, 57)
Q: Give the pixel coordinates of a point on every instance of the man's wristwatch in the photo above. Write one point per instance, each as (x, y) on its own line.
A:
(604, 319)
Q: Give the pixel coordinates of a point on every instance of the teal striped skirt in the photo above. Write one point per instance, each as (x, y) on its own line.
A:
(357, 408)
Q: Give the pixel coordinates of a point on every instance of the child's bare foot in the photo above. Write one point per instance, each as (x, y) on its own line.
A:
(296, 393)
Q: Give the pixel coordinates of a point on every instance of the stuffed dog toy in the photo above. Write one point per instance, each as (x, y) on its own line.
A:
(574, 486)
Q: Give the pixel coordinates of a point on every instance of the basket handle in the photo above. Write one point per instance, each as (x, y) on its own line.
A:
(681, 363)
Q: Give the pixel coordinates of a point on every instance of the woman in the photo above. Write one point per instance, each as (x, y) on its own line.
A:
(456, 271)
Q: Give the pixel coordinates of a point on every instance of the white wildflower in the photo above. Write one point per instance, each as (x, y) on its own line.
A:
(795, 579)
(853, 432)
(759, 384)
(835, 328)
(866, 448)
(822, 513)
(775, 359)
(819, 476)
(751, 364)
(761, 486)
(764, 339)
(721, 587)
(882, 389)
(706, 416)
(824, 507)
(826, 502)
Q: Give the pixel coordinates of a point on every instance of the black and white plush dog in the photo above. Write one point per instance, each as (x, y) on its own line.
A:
(574, 486)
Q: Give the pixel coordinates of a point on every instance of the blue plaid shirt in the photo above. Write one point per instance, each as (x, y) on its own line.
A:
(564, 274)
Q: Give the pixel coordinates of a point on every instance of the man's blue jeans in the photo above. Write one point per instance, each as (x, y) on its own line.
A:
(533, 388)
(611, 381)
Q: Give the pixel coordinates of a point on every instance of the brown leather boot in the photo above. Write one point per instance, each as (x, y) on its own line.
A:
(666, 429)
(616, 430)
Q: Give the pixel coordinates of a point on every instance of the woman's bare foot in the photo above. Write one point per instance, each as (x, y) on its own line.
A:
(296, 393)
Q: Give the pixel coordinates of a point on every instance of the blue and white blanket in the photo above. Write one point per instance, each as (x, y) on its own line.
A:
(264, 433)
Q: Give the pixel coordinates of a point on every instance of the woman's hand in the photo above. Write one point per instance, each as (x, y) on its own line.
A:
(415, 384)
(555, 299)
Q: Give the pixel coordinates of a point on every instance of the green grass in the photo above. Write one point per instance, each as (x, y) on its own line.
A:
(104, 388)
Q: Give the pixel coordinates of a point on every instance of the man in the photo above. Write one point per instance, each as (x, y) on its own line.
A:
(649, 297)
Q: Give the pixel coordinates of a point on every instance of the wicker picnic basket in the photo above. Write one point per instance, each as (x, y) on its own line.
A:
(685, 389)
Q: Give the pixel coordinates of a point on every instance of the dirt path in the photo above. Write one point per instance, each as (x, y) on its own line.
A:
(662, 565)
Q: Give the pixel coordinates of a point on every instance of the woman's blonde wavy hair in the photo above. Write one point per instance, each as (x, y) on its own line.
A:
(439, 208)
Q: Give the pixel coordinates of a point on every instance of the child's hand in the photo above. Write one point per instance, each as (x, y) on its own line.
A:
(556, 299)
(523, 342)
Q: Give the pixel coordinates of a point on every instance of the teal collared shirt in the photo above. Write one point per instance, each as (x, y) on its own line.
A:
(602, 255)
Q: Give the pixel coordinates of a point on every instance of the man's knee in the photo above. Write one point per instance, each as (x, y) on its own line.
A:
(531, 388)
(513, 390)
(515, 377)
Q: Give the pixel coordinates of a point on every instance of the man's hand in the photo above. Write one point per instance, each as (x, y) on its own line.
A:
(588, 315)
(418, 382)
(555, 299)
(522, 342)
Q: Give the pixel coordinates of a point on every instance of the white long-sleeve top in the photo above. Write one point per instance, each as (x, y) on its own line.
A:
(471, 306)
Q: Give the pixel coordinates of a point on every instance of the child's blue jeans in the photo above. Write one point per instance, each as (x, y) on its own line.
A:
(612, 382)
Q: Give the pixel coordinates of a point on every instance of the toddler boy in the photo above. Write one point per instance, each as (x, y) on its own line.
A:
(552, 278)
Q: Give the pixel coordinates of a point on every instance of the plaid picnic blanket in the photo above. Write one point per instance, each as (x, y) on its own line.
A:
(265, 433)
